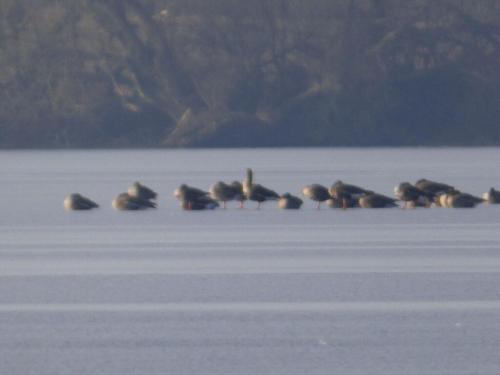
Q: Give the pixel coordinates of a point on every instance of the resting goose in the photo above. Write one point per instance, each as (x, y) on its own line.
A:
(317, 193)
(77, 202)
(456, 199)
(200, 203)
(348, 195)
(413, 196)
(344, 203)
(141, 191)
(189, 193)
(256, 192)
(374, 200)
(289, 202)
(194, 199)
(433, 187)
(492, 196)
(126, 202)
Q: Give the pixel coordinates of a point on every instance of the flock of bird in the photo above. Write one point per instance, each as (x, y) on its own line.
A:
(424, 193)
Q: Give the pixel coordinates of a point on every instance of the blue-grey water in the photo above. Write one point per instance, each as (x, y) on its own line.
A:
(245, 291)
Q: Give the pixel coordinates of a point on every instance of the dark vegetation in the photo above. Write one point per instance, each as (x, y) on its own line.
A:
(153, 73)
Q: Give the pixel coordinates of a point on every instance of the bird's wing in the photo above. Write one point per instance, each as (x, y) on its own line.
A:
(89, 203)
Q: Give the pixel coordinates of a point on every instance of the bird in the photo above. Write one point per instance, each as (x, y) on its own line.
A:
(374, 200)
(289, 202)
(413, 196)
(77, 202)
(348, 195)
(433, 187)
(189, 193)
(345, 202)
(127, 202)
(256, 192)
(193, 198)
(340, 187)
(200, 203)
(457, 199)
(222, 192)
(141, 191)
(492, 196)
(316, 192)
(241, 195)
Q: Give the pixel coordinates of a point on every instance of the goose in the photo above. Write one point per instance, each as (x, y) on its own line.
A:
(374, 200)
(412, 196)
(289, 202)
(141, 191)
(492, 196)
(193, 198)
(222, 192)
(433, 187)
(345, 202)
(127, 202)
(256, 192)
(457, 199)
(316, 192)
(200, 203)
(240, 197)
(347, 194)
(340, 187)
(76, 201)
(189, 193)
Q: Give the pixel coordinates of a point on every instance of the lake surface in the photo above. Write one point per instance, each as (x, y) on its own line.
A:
(246, 291)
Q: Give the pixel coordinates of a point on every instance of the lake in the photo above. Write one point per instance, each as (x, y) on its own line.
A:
(246, 291)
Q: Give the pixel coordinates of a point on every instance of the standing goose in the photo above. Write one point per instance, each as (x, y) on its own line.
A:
(222, 192)
(141, 191)
(78, 202)
(240, 197)
(256, 192)
(412, 195)
(374, 200)
(316, 192)
(289, 202)
(492, 196)
(126, 202)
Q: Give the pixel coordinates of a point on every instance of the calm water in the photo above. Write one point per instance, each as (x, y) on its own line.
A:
(246, 291)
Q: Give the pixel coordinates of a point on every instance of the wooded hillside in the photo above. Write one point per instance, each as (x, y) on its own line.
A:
(157, 73)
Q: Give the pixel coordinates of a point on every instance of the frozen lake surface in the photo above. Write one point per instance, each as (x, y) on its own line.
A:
(245, 291)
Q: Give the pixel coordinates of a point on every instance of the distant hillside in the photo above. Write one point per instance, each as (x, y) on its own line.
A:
(170, 73)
